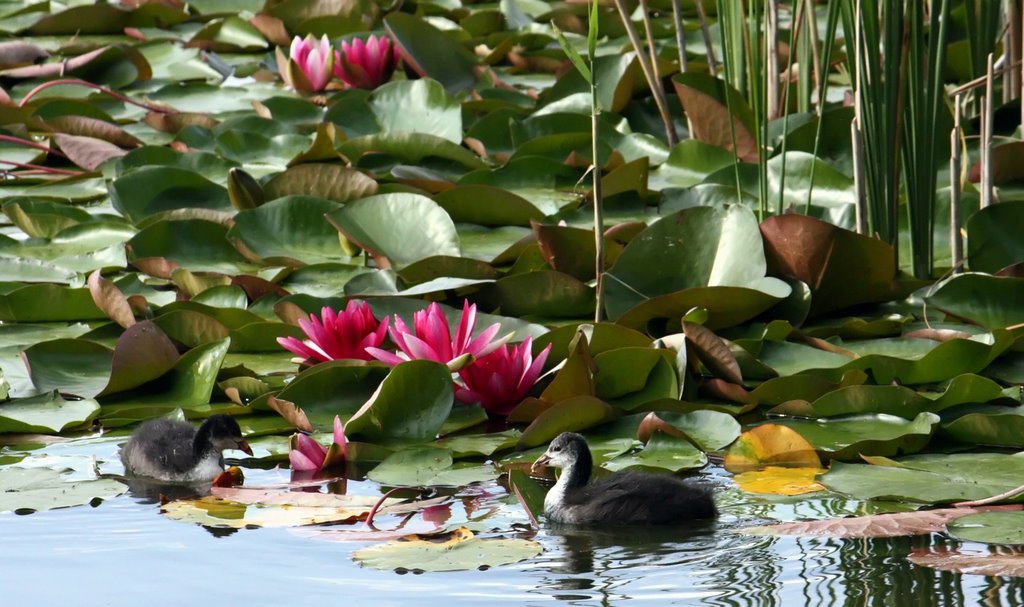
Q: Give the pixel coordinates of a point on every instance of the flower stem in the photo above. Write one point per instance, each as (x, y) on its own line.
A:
(75, 81)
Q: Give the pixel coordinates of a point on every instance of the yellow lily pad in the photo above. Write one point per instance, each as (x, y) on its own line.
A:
(780, 481)
(770, 444)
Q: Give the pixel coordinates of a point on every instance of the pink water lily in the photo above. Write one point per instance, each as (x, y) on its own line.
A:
(347, 334)
(431, 339)
(306, 454)
(365, 65)
(309, 65)
(500, 380)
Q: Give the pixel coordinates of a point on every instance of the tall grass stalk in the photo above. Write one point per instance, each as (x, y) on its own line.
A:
(925, 98)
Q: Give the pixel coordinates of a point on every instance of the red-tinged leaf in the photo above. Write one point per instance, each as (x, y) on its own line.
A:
(719, 388)
(256, 287)
(111, 300)
(622, 233)
(842, 268)
(232, 477)
(704, 100)
(998, 562)
(713, 352)
(173, 122)
(16, 53)
(84, 126)
(652, 423)
(279, 497)
(938, 334)
(87, 152)
(827, 346)
(290, 313)
(157, 267)
(271, 28)
(142, 353)
(877, 525)
(291, 413)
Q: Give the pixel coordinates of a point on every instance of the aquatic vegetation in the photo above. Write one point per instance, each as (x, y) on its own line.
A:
(307, 454)
(500, 380)
(309, 65)
(431, 339)
(338, 335)
(365, 64)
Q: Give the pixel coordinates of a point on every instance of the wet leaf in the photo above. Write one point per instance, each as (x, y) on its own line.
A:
(989, 527)
(35, 489)
(770, 444)
(877, 525)
(428, 467)
(328, 181)
(985, 563)
(661, 451)
(780, 481)
(458, 552)
(46, 413)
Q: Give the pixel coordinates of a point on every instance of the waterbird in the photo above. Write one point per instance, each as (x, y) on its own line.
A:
(624, 498)
(172, 450)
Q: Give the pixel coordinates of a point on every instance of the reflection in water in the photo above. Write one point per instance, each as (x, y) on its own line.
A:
(714, 565)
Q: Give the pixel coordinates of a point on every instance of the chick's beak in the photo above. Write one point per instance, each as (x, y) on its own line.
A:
(244, 447)
(541, 462)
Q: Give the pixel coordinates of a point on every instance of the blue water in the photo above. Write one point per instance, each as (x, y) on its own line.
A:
(124, 552)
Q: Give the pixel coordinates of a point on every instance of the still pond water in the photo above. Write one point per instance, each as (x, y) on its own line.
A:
(124, 552)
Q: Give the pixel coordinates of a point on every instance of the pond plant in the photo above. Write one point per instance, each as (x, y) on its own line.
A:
(694, 232)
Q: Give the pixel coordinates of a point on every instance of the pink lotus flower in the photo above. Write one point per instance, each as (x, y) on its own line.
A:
(309, 64)
(344, 335)
(306, 454)
(501, 380)
(432, 340)
(365, 65)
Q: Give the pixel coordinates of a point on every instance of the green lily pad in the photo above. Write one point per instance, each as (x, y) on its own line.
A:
(988, 425)
(879, 434)
(992, 242)
(417, 106)
(398, 229)
(289, 229)
(35, 489)
(708, 246)
(327, 181)
(989, 527)
(463, 552)
(46, 413)
(990, 301)
(431, 53)
(662, 451)
(428, 467)
(153, 189)
(411, 404)
(930, 479)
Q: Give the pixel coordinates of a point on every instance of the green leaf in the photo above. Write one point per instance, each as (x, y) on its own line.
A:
(428, 467)
(46, 413)
(461, 554)
(411, 404)
(330, 181)
(571, 415)
(154, 189)
(397, 229)
(879, 434)
(990, 301)
(662, 451)
(35, 489)
(929, 479)
(417, 106)
(989, 527)
(708, 246)
(992, 241)
(431, 53)
(573, 54)
(289, 230)
(988, 425)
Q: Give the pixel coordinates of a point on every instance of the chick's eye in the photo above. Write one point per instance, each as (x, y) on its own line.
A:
(556, 449)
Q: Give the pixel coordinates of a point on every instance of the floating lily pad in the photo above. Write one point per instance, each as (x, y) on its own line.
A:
(878, 434)
(428, 467)
(46, 413)
(989, 528)
(34, 489)
(662, 451)
(410, 404)
(458, 552)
